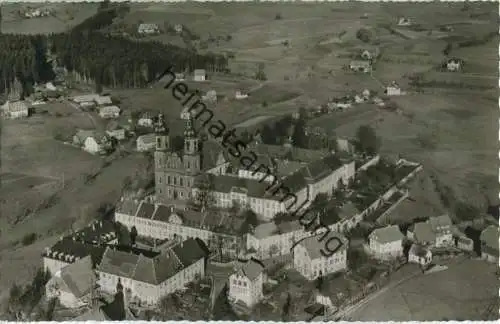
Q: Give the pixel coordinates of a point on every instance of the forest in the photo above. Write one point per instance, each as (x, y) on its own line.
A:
(112, 61)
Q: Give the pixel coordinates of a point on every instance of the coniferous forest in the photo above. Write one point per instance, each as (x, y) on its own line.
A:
(108, 60)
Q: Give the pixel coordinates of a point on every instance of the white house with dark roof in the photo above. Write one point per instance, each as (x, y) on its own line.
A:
(85, 242)
(107, 112)
(309, 257)
(246, 283)
(489, 243)
(92, 141)
(147, 29)
(360, 66)
(199, 75)
(73, 284)
(386, 243)
(147, 276)
(270, 240)
(454, 64)
(15, 109)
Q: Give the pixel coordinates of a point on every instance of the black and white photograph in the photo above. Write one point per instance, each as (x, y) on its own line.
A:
(249, 161)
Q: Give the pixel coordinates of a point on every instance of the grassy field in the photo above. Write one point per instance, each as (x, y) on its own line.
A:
(458, 293)
(64, 17)
(44, 190)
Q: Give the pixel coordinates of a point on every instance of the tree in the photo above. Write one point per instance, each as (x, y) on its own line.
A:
(319, 283)
(268, 136)
(285, 314)
(204, 198)
(260, 75)
(133, 235)
(278, 16)
(299, 137)
(366, 140)
(364, 35)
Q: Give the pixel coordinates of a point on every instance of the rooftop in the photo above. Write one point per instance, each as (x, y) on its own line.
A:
(250, 269)
(387, 234)
(315, 244)
(489, 236)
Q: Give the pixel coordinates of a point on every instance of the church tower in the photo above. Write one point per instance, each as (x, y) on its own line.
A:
(192, 157)
(161, 156)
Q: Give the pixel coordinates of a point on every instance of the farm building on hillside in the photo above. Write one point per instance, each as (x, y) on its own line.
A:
(454, 65)
(240, 95)
(420, 255)
(199, 75)
(179, 77)
(386, 242)
(91, 141)
(146, 29)
(103, 100)
(114, 130)
(360, 66)
(15, 109)
(109, 112)
(178, 28)
(393, 90)
(404, 21)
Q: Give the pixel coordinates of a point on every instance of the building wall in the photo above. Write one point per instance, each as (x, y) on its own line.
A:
(246, 290)
(148, 293)
(283, 242)
(18, 113)
(420, 260)
(388, 250)
(67, 299)
(143, 147)
(444, 240)
(53, 265)
(312, 269)
(91, 145)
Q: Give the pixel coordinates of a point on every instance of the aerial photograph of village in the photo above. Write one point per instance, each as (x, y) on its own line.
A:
(252, 161)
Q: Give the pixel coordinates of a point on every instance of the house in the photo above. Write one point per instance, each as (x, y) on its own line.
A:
(88, 99)
(147, 275)
(269, 240)
(146, 120)
(103, 100)
(147, 29)
(311, 259)
(359, 99)
(15, 109)
(366, 94)
(109, 112)
(366, 55)
(420, 255)
(360, 66)
(378, 101)
(240, 95)
(50, 86)
(146, 142)
(403, 21)
(114, 130)
(489, 243)
(422, 234)
(387, 242)
(454, 64)
(200, 75)
(179, 77)
(210, 96)
(393, 89)
(442, 228)
(246, 283)
(73, 284)
(92, 141)
(463, 242)
(342, 103)
(178, 28)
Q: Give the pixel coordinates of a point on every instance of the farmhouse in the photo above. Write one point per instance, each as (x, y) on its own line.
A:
(489, 243)
(420, 255)
(148, 275)
(92, 141)
(72, 284)
(309, 260)
(404, 21)
(179, 77)
(146, 29)
(146, 120)
(246, 283)
(114, 130)
(360, 66)
(15, 109)
(454, 64)
(103, 100)
(240, 95)
(199, 75)
(109, 112)
(393, 89)
(387, 242)
(146, 142)
(178, 28)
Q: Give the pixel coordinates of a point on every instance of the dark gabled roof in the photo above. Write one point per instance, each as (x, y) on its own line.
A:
(251, 268)
(152, 270)
(99, 231)
(211, 151)
(146, 210)
(72, 247)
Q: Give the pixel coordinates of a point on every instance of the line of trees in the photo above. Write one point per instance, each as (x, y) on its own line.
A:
(114, 61)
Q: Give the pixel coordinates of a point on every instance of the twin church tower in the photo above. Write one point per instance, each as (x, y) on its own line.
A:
(175, 172)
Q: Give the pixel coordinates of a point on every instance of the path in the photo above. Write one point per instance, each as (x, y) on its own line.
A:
(72, 104)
